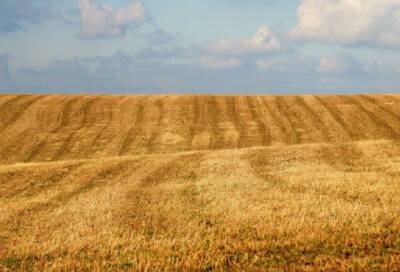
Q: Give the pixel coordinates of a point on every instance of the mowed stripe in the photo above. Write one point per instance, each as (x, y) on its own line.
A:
(135, 129)
(387, 111)
(318, 124)
(277, 121)
(265, 133)
(4, 99)
(213, 111)
(28, 183)
(67, 189)
(176, 168)
(66, 115)
(151, 143)
(194, 126)
(14, 110)
(340, 119)
(86, 121)
(386, 131)
(285, 113)
(234, 116)
(8, 106)
(99, 144)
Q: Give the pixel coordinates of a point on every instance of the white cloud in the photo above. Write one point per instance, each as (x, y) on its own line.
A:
(263, 41)
(102, 20)
(219, 63)
(232, 53)
(341, 65)
(331, 65)
(349, 22)
(271, 65)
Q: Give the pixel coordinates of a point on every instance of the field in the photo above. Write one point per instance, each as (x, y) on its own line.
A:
(199, 183)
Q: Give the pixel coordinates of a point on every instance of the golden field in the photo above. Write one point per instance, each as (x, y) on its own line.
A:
(199, 183)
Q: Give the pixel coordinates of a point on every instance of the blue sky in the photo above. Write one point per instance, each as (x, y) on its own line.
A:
(220, 46)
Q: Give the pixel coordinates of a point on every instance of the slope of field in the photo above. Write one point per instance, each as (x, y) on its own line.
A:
(53, 128)
(199, 183)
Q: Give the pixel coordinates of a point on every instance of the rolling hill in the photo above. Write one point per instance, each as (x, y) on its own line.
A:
(199, 183)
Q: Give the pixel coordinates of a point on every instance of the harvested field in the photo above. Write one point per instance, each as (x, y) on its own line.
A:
(199, 183)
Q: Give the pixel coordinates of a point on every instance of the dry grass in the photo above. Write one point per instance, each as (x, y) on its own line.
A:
(199, 183)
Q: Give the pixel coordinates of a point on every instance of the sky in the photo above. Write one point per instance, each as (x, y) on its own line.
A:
(208, 46)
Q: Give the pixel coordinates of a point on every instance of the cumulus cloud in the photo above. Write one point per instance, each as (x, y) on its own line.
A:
(349, 22)
(264, 41)
(102, 20)
(241, 52)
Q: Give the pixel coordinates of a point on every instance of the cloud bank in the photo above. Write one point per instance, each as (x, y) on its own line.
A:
(102, 20)
(170, 71)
